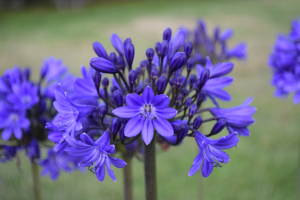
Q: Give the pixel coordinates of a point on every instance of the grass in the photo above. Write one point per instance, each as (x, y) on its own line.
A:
(264, 166)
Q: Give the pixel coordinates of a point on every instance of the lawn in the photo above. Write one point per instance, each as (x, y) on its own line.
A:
(264, 166)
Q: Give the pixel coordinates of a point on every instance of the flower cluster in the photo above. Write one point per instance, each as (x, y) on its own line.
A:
(159, 101)
(26, 106)
(285, 63)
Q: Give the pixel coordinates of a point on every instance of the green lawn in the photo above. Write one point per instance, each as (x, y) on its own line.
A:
(264, 166)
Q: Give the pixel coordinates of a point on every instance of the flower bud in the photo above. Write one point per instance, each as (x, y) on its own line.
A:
(178, 99)
(154, 73)
(121, 134)
(167, 34)
(97, 79)
(102, 65)
(132, 77)
(172, 82)
(120, 63)
(177, 61)
(190, 64)
(138, 71)
(103, 111)
(115, 126)
(161, 84)
(184, 92)
(188, 48)
(118, 98)
(203, 78)
(26, 73)
(105, 82)
(150, 53)
(129, 53)
(99, 50)
(144, 64)
(158, 49)
(117, 44)
(218, 127)
(216, 33)
(138, 90)
(192, 80)
(127, 41)
(200, 98)
(192, 110)
(113, 88)
(164, 48)
(188, 102)
(197, 122)
(112, 58)
(178, 80)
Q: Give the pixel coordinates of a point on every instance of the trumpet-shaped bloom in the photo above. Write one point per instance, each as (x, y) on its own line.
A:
(211, 154)
(53, 69)
(147, 113)
(95, 154)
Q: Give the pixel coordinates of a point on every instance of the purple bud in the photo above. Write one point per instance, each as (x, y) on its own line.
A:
(113, 88)
(105, 82)
(127, 41)
(150, 53)
(144, 64)
(158, 49)
(121, 134)
(164, 48)
(188, 102)
(103, 111)
(120, 63)
(177, 61)
(192, 80)
(97, 80)
(172, 82)
(118, 98)
(154, 73)
(218, 127)
(99, 50)
(129, 53)
(138, 90)
(197, 122)
(192, 110)
(117, 44)
(26, 73)
(203, 78)
(138, 71)
(132, 77)
(188, 48)
(112, 57)
(184, 92)
(200, 98)
(190, 64)
(102, 65)
(164, 70)
(216, 33)
(115, 126)
(167, 34)
(161, 84)
(178, 80)
(178, 99)
(227, 34)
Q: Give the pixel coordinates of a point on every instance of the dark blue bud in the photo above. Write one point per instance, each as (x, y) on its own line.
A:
(158, 49)
(138, 90)
(181, 134)
(216, 33)
(117, 44)
(161, 84)
(105, 82)
(99, 50)
(164, 70)
(197, 122)
(112, 58)
(164, 48)
(147, 80)
(113, 88)
(188, 48)
(200, 98)
(188, 102)
(178, 99)
(172, 82)
(203, 78)
(127, 41)
(192, 110)
(138, 71)
(103, 111)
(118, 98)
(26, 73)
(192, 80)
(144, 64)
(178, 80)
(102, 65)
(218, 127)
(184, 92)
(121, 134)
(190, 64)
(132, 76)
(154, 73)
(177, 61)
(115, 126)
(150, 53)
(167, 34)
(129, 53)
(120, 63)
(97, 80)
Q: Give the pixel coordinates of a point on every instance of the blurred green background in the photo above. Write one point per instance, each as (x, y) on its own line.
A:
(264, 166)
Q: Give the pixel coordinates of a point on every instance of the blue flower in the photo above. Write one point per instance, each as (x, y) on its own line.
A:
(147, 113)
(8, 153)
(95, 154)
(211, 154)
(238, 118)
(53, 69)
(24, 96)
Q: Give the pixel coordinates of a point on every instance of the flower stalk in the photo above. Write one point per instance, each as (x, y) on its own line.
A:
(127, 174)
(36, 180)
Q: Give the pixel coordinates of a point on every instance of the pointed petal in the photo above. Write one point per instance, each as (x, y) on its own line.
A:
(148, 95)
(166, 113)
(117, 162)
(134, 126)
(100, 173)
(86, 139)
(147, 131)
(134, 101)
(163, 127)
(160, 101)
(126, 112)
(207, 168)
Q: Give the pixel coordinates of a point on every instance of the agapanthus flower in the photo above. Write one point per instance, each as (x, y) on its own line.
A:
(211, 154)
(8, 152)
(52, 69)
(147, 113)
(95, 154)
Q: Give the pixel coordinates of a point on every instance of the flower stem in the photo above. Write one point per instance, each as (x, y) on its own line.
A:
(127, 177)
(36, 182)
(150, 170)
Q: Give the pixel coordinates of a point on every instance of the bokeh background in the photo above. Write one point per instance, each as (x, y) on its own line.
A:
(264, 166)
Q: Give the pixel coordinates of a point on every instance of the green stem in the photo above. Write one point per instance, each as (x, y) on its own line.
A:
(127, 178)
(36, 182)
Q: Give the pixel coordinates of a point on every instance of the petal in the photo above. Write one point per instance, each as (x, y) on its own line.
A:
(240, 131)
(109, 171)
(166, 113)
(226, 142)
(134, 101)
(163, 127)
(18, 133)
(134, 126)
(104, 139)
(148, 95)
(147, 131)
(6, 134)
(126, 112)
(86, 139)
(296, 98)
(100, 173)
(117, 162)
(160, 101)
(207, 168)
(221, 69)
(73, 151)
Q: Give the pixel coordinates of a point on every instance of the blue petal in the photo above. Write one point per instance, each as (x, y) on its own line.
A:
(134, 126)
(100, 173)
(134, 100)
(117, 44)
(221, 69)
(148, 95)
(147, 131)
(207, 168)
(86, 139)
(296, 98)
(126, 112)
(117, 162)
(226, 142)
(104, 139)
(163, 127)
(166, 113)
(110, 172)
(160, 101)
